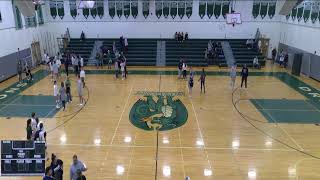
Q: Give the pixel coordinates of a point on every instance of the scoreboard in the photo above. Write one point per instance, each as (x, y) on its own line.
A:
(22, 158)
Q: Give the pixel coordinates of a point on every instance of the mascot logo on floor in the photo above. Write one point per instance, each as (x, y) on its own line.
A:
(158, 111)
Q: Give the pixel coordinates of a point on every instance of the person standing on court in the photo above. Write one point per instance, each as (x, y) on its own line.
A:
(190, 83)
(63, 96)
(202, 80)
(116, 68)
(184, 68)
(80, 90)
(180, 69)
(19, 70)
(233, 75)
(75, 167)
(244, 75)
(68, 90)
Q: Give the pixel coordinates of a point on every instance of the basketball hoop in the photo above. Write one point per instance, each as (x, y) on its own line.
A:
(86, 4)
(233, 19)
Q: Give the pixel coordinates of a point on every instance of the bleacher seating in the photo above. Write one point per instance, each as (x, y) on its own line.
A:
(142, 52)
(82, 48)
(242, 54)
(192, 50)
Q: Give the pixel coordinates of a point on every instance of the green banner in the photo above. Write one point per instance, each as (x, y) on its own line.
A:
(225, 9)
(134, 8)
(158, 9)
(53, 9)
(181, 9)
(255, 9)
(263, 9)
(210, 7)
(119, 8)
(166, 10)
(272, 10)
(173, 9)
(217, 9)
(40, 15)
(126, 9)
(145, 9)
(315, 12)
(294, 13)
(112, 8)
(100, 9)
(60, 6)
(300, 13)
(189, 6)
(93, 11)
(202, 9)
(307, 11)
(85, 12)
(73, 8)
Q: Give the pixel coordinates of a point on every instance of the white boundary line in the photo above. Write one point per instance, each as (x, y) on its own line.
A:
(124, 108)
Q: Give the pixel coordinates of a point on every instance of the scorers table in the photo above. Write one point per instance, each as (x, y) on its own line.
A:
(22, 158)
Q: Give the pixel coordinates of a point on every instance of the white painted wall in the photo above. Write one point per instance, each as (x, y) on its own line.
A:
(276, 29)
(301, 35)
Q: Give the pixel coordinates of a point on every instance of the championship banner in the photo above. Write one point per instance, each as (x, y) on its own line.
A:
(315, 12)
(225, 9)
(294, 13)
(217, 9)
(60, 6)
(134, 8)
(307, 11)
(93, 11)
(119, 8)
(173, 9)
(210, 7)
(263, 9)
(300, 13)
(145, 9)
(255, 9)
(126, 9)
(53, 8)
(73, 8)
(272, 9)
(112, 8)
(181, 9)
(100, 8)
(202, 9)
(189, 5)
(166, 10)
(158, 9)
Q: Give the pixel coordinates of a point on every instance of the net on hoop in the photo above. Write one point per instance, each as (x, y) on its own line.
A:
(86, 4)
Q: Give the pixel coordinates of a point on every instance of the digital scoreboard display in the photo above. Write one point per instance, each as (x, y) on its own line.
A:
(22, 158)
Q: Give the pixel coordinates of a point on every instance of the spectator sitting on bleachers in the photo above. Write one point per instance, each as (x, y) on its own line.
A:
(186, 36)
(256, 63)
(249, 43)
(176, 36)
(82, 36)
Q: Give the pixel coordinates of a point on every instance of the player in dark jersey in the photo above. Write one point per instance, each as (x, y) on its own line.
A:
(202, 80)
(190, 85)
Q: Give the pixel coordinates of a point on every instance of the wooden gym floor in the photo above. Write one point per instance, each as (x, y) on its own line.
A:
(228, 135)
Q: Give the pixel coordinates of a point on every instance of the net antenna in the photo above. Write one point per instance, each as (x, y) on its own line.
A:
(86, 4)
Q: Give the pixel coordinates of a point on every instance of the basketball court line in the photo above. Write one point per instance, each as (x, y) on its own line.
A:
(124, 108)
(173, 147)
(278, 125)
(204, 145)
(181, 153)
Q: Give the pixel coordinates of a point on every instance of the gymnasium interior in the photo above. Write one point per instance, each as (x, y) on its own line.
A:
(161, 89)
